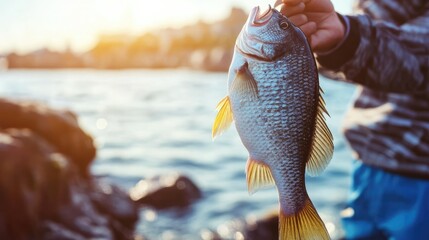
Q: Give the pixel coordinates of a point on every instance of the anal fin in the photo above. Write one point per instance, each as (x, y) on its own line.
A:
(258, 175)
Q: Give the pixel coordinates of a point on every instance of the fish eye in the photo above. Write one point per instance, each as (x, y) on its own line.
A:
(283, 24)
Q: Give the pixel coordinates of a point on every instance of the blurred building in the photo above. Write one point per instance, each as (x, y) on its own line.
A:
(205, 46)
(4, 64)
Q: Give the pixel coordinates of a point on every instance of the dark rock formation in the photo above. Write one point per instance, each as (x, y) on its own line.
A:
(166, 191)
(264, 228)
(59, 128)
(43, 193)
(249, 229)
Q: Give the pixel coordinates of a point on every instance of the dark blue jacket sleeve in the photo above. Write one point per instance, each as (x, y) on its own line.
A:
(381, 55)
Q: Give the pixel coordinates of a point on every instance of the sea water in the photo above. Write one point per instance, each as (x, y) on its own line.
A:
(151, 122)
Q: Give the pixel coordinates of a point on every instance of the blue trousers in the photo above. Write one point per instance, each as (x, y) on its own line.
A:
(384, 205)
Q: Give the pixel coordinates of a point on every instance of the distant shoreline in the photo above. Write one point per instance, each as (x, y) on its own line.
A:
(201, 46)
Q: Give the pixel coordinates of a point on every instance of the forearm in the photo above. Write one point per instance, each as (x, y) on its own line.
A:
(381, 57)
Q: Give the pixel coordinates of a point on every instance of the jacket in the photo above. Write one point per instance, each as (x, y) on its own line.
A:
(386, 52)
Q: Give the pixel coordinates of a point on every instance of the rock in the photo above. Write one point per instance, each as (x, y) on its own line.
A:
(23, 184)
(43, 195)
(58, 127)
(263, 228)
(266, 228)
(166, 191)
(117, 204)
(54, 231)
(251, 228)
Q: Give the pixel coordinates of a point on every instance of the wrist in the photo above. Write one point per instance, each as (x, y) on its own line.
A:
(345, 49)
(340, 40)
(337, 34)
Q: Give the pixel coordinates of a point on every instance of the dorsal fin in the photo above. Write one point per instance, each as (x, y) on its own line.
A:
(244, 83)
(322, 147)
(258, 175)
(223, 118)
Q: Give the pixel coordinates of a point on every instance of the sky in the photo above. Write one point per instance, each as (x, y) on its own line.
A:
(27, 25)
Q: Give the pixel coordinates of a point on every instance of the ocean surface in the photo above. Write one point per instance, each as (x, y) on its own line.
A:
(151, 122)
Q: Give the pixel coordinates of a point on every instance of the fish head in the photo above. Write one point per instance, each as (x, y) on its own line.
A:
(268, 35)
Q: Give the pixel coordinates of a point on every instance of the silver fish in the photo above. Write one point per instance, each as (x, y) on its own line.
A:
(275, 100)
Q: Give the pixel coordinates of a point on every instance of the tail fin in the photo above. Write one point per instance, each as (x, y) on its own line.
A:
(304, 225)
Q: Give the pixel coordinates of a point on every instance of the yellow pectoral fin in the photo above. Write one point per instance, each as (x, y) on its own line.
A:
(323, 146)
(223, 118)
(258, 175)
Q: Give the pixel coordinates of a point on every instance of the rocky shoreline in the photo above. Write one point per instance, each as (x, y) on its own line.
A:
(47, 192)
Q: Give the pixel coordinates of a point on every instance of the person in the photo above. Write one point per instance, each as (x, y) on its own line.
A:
(384, 49)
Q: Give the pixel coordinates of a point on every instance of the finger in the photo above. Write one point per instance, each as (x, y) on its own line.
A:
(278, 2)
(299, 19)
(308, 28)
(295, 2)
(292, 2)
(292, 10)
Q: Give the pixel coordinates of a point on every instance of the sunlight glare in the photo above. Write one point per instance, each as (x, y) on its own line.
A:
(101, 123)
(62, 24)
(148, 15)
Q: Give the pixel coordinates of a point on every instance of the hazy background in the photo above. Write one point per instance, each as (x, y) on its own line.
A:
(154, 115)
(60, 24)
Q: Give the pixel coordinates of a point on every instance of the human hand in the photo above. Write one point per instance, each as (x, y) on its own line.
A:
(317, 19)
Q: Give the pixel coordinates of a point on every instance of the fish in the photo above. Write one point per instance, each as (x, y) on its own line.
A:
(275, 101)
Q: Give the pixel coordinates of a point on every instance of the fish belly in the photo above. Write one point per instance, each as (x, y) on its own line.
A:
(277, 128)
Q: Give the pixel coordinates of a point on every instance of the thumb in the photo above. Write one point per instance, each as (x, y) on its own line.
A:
(277, 3)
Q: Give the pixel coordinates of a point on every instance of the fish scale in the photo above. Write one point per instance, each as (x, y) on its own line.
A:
(274, 99)
(276, 141)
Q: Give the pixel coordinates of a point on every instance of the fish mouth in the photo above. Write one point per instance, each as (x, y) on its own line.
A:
(260, 19)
